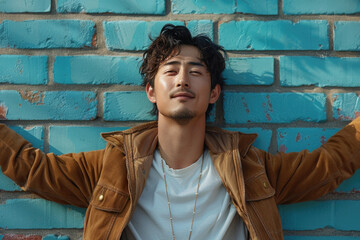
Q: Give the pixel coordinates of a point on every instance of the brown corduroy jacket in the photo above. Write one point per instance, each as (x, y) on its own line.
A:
(109, 182)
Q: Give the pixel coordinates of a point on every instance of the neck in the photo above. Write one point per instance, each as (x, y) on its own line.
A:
(181, 143)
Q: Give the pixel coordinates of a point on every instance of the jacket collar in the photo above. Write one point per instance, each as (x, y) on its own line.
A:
(217, 140)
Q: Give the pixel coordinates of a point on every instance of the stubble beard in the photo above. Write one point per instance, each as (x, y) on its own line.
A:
(182, 116)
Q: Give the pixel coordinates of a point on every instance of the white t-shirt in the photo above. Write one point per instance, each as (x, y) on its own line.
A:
(215, 216)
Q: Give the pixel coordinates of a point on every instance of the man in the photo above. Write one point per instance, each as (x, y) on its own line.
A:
(177, 178)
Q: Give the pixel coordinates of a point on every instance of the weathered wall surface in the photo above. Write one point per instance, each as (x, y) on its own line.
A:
(69, 70)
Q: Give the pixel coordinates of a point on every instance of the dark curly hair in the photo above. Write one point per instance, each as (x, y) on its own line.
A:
(168, 44)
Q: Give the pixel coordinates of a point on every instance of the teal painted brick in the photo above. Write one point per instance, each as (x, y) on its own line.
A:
(319, 71)
(6, 184)
(337, 237)
(274, 107)
(35, 135)
(39, 214)
(346, 106)
(156, 7)
(55, 237)
(56, 105)
(297, 139)
(274, 35)
(39, 34)
(97, 70)
(347, 35)
(202, 6)
(197, 27)
(132, 35)
(264, 136)
(351, 185)
(321, 7)
(127, 106)
(337, 214)
(18, 6)
(249, 71)
(259, 7)
(17, 69)
(73, 139)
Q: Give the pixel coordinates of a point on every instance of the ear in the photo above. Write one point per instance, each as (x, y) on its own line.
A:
(214, 94)
(150, 92)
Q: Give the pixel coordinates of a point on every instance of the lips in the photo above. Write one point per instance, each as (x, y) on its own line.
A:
(183, 94)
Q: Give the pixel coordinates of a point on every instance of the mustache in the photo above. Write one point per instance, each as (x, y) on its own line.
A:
(185, 91)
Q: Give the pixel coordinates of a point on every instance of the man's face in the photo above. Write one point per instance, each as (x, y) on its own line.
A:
(182, 86)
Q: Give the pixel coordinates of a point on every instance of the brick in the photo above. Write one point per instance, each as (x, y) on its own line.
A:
(264, 136)
(6, 184)
(197, 27)
(17, 69)
(32, 237)
(319, 71)
(156, 7)
(72, 139)
(52, 105)
(346, 36)
(20, 6)
(132, 35)
(202, 6)
(273, 107)
(39, 214)
(35, 135)
(20, 237)
(337, 214)
(55, 237)
(320, 7)
(274, 35)
(297, 139)
(249, 71)
(127, 106)
(259, 7)
(42, 34)
(97, 70)
(346, 106)
(351, 185)
(337, 237)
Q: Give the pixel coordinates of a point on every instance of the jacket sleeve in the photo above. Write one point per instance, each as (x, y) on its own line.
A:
(308, 175)
(66, 179)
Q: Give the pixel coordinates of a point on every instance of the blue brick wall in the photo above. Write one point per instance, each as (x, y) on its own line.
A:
(69, 71)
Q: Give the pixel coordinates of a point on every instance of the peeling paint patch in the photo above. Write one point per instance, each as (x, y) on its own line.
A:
(93, 40)
(282, 148)
(298, 137)
(3, 111)
(21, 237)
(357, 114)
(33, 97)
(341, 116)
(245, 105)
(323, 139)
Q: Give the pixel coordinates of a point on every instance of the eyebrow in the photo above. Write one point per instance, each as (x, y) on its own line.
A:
(190, 63)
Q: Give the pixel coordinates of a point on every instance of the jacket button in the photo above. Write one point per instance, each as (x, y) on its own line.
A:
(265, 185)
(101, 197)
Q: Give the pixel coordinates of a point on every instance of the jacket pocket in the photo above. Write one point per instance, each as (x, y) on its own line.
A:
(109, 199)
(262, 209)
(258, 188)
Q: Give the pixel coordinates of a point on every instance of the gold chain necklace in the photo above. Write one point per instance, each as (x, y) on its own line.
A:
(168, 199)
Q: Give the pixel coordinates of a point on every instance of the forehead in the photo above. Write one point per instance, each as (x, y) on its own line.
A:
(186, 53)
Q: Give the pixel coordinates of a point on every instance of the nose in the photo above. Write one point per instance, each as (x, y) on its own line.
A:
(183, 79)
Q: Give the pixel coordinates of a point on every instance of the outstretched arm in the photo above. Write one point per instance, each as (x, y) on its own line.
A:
(66, 179)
